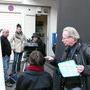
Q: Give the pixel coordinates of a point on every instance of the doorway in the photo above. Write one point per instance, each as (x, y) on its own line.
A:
(41, 27)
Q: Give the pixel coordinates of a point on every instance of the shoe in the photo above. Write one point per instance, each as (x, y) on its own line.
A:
(10, 74)
(8, 84)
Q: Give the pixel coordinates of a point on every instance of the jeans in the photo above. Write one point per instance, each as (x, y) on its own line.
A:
(76, 88)
(6, 66)
(17, 62)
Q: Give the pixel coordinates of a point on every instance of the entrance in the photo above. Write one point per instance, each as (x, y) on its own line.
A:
(41, 27)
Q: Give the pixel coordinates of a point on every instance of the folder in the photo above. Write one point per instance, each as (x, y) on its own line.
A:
(68, 68)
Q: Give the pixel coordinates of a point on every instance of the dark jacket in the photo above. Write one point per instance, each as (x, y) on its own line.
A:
(42, 48)
(32, 80)
(5, 46)
(81, 54)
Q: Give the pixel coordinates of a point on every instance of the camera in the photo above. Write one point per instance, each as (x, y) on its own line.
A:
(28, 48)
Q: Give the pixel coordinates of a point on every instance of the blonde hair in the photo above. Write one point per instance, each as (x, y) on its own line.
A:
(72, 32)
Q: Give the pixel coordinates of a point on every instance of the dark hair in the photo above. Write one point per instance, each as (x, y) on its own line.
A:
(35, 35)
(36, 58)
(18, 25)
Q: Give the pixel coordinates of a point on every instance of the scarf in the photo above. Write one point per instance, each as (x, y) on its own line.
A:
(18, 35)
(35, 68)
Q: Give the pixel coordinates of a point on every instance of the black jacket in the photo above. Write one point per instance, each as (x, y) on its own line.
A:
(5, 46)
(32, 80)
(42, 48)
(81, 54)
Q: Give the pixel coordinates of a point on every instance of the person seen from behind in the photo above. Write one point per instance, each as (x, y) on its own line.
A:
(34, 77)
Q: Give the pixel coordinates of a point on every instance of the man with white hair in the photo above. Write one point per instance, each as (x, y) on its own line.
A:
(70, 36)
(80, 53)
(6, 51)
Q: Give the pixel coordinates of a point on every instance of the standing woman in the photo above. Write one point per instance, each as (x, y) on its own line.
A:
(17, 43)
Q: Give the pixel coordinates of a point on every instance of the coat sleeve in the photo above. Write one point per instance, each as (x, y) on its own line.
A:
(87, 58)
(12, 42)
(57, 81)
(23, 83)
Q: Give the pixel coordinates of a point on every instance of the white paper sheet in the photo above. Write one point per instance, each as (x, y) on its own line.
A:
(68, 68)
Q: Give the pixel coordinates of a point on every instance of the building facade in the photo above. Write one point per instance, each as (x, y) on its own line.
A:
(34, 16)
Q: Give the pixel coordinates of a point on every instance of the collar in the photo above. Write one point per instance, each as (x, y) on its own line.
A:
(35, 68)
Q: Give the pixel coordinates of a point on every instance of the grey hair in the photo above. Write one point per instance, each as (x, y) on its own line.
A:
(5, 30)
(72, 32)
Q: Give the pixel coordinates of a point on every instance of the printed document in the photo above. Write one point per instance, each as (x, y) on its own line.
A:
(68, 68)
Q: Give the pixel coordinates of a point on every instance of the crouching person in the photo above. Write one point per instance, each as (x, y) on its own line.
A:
(34, 77)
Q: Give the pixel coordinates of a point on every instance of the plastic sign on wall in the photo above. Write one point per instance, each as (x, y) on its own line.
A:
(54, 38)
(10, 7)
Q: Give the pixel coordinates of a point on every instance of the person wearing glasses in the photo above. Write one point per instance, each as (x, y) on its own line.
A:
(80, 53)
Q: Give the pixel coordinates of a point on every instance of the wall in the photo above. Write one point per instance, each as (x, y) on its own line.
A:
(73, 13)
(52, 28)
(2, 82)
(21, 15)
(31, 2)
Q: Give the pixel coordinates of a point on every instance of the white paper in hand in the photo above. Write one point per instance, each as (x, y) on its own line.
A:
(68, 68)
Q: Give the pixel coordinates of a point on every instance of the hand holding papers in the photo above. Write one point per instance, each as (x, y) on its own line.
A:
(68, 68)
